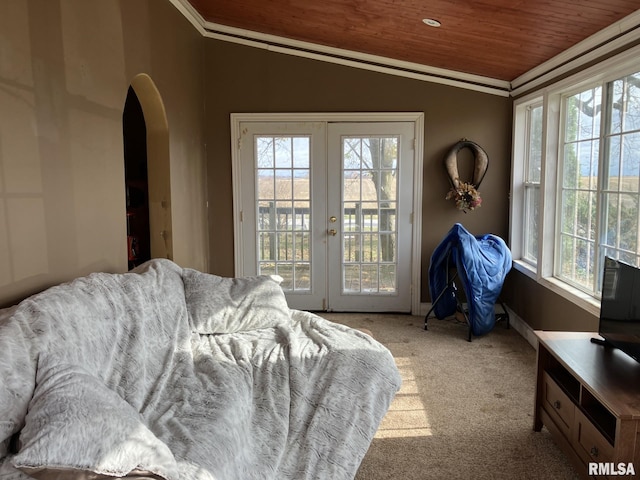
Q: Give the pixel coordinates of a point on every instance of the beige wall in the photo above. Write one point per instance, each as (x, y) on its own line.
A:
(245, 79)
(65, 70)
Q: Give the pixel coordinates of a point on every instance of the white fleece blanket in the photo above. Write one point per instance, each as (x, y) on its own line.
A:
(183, 375)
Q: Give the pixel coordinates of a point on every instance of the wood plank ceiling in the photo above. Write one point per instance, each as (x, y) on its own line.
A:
(498, 39)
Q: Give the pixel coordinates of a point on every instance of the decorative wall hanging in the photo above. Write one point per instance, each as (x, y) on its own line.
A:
(465, 194)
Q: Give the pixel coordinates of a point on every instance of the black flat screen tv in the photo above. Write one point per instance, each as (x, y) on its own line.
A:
(620, 307)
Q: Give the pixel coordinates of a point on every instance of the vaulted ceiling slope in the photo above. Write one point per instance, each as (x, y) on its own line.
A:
(500, 40)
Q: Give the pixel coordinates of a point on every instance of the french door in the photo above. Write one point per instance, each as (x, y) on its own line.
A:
(328, 207)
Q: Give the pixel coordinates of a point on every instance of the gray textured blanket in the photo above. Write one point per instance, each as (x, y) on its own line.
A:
(184, 375)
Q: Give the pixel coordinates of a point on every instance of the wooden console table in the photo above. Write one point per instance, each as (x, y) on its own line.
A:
(588, 397)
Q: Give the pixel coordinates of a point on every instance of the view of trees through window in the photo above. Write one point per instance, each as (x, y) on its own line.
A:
(283, 176)
(369, 204)
(600, 192)
(369, 194)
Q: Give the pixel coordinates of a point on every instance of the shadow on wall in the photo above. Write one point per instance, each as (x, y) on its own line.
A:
(63, 84)
(34, 150)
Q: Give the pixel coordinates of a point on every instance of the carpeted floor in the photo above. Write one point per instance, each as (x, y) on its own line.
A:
(465, 410)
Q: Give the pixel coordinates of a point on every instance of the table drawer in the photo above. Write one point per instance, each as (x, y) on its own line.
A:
(558, 405)
(590, 444)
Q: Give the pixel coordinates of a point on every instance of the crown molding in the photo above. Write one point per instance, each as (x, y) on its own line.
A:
(190, 13)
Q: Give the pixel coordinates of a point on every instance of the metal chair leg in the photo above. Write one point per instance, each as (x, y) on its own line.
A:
(504, 315)
(450, 286)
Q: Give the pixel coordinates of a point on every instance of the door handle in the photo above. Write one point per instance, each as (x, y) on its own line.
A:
(333, 232)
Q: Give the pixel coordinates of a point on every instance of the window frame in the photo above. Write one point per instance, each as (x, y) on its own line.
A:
(528, 184)
(551, 96)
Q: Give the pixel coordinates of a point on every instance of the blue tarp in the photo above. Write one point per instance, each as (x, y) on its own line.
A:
(482, 263)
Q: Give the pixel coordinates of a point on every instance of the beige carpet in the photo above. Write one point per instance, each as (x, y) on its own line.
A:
(465, 410)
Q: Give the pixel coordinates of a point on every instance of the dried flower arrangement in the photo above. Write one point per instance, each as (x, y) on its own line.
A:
(465, 195)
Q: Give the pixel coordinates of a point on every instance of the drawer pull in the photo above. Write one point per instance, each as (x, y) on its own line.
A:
(556, 404)
(594, 451)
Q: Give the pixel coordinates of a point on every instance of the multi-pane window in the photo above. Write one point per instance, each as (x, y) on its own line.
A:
(621, 176)
(576, 178)
(369, 206)
(283, 204)
(578, 235)
(600, 190)
(533, 164)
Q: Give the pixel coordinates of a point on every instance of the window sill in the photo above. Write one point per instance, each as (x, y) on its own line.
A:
(575, 296)
(525, 268)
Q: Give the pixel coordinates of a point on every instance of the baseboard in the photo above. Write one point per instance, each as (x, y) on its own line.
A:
(523, 328)
(424, 309)
(517, 323)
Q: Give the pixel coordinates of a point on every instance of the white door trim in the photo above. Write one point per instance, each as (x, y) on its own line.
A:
(416, 117)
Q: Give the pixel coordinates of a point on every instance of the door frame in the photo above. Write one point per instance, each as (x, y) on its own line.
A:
(358, 117)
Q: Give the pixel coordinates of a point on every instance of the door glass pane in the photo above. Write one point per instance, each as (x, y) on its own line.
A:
(369, 221)
(283, 175)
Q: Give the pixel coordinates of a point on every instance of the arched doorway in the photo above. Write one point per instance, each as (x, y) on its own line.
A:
(136, 181)
(147, 173)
